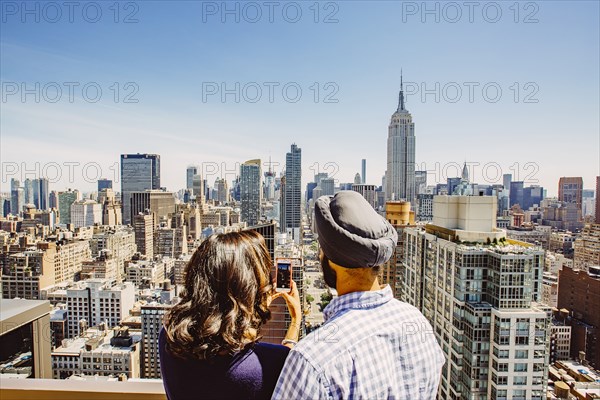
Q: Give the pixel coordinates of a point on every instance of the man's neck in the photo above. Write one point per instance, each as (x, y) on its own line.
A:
(345, 286)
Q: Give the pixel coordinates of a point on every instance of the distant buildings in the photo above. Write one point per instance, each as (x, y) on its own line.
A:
(400, 173)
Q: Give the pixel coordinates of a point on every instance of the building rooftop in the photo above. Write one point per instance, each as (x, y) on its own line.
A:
(21, 311)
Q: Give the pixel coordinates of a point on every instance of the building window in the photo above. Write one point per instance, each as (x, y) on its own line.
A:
(520, 380)
(521, 367)
(521, 354)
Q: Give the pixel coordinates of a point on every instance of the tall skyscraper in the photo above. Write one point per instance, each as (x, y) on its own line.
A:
(17, 197)
(251, 191)
(28, 186)
(293, 193)
(364, 171)
(139, 172)
(189, 176)
(41, 193)
(400, 173)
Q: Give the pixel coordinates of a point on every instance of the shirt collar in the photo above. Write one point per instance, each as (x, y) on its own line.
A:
(358, 300)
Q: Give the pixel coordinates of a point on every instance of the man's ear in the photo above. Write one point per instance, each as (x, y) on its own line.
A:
(334, 266)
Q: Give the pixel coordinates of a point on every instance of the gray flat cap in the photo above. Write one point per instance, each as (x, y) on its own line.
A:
(351, 233)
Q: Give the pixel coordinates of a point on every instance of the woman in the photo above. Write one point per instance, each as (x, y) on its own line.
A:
(209, 346)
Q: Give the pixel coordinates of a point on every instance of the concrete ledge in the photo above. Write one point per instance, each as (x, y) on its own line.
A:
(51, 389)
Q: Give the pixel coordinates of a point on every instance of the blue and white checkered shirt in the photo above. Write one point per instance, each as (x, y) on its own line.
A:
(371, 346)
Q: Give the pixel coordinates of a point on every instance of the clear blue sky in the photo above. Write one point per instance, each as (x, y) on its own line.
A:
(177, 49)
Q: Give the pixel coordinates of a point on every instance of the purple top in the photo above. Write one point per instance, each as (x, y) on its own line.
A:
(249, 374)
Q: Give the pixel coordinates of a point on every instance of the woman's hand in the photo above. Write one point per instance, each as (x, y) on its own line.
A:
(292, 299)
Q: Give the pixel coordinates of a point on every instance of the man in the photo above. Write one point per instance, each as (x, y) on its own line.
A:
(371, 345)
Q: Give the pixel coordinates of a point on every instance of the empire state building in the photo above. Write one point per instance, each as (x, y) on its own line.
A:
(400, 173)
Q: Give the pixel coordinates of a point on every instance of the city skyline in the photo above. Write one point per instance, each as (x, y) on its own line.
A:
(176, 117)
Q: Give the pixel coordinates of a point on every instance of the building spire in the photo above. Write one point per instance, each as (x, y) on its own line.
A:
(401, 95)
(465, 173)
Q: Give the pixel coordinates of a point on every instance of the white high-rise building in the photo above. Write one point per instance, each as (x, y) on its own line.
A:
(96, 301)
(86, 213)
(480, 294)
(400, 174)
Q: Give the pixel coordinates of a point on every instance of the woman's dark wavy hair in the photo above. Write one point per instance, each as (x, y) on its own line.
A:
(224, 302)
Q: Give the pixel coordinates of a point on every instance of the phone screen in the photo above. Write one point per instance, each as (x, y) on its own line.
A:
(284, 276)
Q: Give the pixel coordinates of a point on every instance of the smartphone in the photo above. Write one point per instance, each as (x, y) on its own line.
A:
(284, 276)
